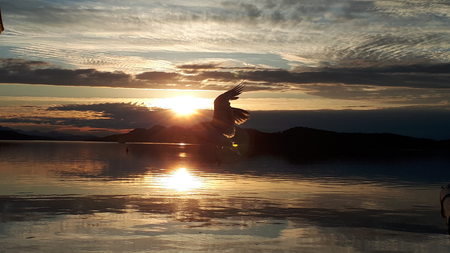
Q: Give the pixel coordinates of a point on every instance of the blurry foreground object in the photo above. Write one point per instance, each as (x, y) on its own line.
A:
(445, 204)
(1, 22)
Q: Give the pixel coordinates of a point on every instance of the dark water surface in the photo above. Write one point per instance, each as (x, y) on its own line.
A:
(109, 197)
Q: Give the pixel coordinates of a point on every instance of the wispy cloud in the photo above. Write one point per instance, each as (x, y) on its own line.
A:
(107, 116)
(325, 33)
(376, 49)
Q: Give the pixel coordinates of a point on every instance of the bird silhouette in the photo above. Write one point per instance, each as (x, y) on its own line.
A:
(225, 117)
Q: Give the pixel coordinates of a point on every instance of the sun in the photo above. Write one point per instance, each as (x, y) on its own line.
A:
(183, 105)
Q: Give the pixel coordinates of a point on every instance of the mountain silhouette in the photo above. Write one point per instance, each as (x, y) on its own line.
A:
(298, 141)
(9, 134)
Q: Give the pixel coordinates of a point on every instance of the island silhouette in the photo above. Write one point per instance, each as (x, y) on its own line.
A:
(296, 143)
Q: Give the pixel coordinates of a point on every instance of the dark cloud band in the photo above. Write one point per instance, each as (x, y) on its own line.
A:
(412, 76)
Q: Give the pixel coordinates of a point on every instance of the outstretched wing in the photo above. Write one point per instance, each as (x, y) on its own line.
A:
(225, 117)
(231, 94)
(240, 116)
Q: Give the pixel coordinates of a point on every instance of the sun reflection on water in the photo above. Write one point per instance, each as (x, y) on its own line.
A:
(181, 180)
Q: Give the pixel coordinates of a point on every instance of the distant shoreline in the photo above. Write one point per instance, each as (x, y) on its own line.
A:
(295, 143)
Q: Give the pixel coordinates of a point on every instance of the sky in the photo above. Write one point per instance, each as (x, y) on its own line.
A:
(110, 66)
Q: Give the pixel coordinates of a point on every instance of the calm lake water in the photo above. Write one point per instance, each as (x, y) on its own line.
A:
(110, 197)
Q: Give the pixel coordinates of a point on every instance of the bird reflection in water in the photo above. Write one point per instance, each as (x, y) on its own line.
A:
(181, 180)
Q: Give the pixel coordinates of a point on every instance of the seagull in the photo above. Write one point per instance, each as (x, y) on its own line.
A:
(226, 118)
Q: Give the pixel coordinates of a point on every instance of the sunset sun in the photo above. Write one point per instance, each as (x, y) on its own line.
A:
(183, 105)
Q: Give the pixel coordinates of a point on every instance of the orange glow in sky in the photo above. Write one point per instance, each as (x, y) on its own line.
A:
(183, 105)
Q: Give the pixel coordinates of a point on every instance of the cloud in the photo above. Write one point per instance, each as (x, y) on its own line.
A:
(116, 12)
(108, 115)
(104, 118)
(127, 115)
(328, 32)
(200, 66)
(108, 118)
(431, 122)
(397, 84)
(413, 76)
(220, 65)
(392, 49)
(41, 14)
(36, 72)
(159, 77)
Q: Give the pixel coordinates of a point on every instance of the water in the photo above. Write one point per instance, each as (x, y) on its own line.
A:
(109, 197)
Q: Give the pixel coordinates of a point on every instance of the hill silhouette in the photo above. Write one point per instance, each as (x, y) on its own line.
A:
(301, 141)
(9, 134)
(298, 141)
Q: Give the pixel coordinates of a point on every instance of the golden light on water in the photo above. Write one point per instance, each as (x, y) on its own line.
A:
(183, 105)
(181, 180)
